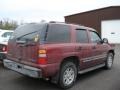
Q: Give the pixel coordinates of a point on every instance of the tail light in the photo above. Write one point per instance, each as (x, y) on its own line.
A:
(4, 49)
(42, 57)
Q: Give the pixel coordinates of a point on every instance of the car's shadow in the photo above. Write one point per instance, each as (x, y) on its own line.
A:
(35, 84)
(83, 77)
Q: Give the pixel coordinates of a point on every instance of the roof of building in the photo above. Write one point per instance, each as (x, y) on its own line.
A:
(94, 10)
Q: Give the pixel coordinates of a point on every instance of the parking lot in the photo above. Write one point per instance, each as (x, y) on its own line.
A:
(99, 79)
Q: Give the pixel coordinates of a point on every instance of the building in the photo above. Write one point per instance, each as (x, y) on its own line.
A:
(105, 20)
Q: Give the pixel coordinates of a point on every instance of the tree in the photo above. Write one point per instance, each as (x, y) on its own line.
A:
(8, 24)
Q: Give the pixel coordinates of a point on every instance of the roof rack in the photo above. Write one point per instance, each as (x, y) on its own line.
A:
(56, 22)
(75, 24)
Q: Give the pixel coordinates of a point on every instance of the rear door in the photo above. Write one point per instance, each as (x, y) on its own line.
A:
(83, 48)
(24, 43)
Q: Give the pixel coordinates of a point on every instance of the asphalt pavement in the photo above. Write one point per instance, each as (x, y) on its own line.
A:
(99, 79)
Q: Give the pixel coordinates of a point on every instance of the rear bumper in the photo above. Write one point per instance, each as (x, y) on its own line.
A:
(2, 55)
(23, 69)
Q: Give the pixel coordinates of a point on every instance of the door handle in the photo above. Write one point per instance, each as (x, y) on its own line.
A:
(79, 48)
(94, 47)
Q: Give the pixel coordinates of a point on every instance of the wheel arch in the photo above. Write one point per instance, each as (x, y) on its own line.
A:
(111, 51)
(74, 59)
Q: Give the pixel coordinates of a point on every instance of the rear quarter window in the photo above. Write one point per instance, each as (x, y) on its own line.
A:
(58, 33)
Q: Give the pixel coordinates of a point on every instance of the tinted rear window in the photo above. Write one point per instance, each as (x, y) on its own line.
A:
(58, 33)
(30, 31)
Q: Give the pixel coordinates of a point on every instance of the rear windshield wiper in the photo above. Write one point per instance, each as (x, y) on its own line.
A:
(27, 34)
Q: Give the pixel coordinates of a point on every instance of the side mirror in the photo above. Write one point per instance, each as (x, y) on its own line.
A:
(105, 40)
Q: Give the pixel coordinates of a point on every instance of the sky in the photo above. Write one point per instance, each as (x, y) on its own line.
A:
(49, 10)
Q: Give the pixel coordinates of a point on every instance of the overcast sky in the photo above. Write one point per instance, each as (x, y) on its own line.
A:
(49, 10)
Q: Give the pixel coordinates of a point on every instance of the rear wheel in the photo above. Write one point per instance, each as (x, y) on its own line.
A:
(109, 61)
(68, 75)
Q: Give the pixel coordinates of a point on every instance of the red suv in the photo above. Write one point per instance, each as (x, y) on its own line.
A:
(57, 51)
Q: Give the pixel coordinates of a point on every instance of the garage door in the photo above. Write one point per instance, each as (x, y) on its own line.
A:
(111, 30)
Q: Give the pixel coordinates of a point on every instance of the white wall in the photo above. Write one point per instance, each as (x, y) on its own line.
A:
(111, 29)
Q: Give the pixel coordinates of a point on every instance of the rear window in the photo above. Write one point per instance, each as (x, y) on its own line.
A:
(58, 33)
(30, 32)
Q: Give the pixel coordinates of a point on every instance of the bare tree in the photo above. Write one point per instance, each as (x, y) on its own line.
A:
(8, 24)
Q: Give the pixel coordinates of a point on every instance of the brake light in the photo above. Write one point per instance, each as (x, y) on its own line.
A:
(42, 57)
(42, 61)
(4, 49)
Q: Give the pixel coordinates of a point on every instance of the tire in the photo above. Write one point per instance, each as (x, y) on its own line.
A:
(68, 74)
(109, 61)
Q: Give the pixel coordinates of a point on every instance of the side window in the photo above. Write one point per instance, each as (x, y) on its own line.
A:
(95, 37)
(7, 34)
(81, 36)
(58, 34)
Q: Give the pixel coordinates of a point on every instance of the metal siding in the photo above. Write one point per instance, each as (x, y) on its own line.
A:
(93, 18)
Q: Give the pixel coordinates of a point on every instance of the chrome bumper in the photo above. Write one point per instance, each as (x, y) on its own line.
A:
(23, 69)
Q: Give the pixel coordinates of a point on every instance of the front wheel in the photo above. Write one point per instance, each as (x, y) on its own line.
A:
(68, 75)
(109, 61)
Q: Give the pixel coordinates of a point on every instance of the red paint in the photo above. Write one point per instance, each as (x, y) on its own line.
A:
(56, 53)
